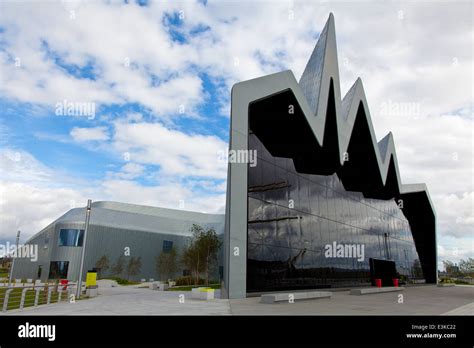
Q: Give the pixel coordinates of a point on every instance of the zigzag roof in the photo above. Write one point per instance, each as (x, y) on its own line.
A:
(318, 86)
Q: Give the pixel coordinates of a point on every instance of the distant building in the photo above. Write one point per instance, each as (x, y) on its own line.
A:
(114, 229)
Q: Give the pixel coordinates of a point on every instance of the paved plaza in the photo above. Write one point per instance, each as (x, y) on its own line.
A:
(136, 300)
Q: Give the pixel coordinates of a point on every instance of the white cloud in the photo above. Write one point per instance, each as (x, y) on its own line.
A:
(32, 195)
(30, 208)
(89, 134)
(129, 171)
(126, 45)
(456, 215)
(176, 153)
(21, 166)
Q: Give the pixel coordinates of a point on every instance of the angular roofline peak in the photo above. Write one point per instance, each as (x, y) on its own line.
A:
(312, 92)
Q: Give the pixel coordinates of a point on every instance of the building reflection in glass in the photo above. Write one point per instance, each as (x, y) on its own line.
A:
(292, 216)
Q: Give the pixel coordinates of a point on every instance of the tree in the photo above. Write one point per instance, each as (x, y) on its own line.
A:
(117, 268)
(102, 265)
(190, 259)
(466, 267)
(133, 266)
(210, 245)
(201, 254)
(167, 264)
(451, 268)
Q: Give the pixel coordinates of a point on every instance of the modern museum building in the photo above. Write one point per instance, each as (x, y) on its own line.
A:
(321, 205)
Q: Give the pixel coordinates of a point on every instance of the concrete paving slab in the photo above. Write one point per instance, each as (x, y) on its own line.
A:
(374, 290)
(287, 297)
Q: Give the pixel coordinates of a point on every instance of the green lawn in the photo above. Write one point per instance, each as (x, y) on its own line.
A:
(15, 297)
(190, 287)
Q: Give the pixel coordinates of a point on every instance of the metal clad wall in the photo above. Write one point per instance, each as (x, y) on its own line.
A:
(25, 268)
(112, 242)
(142, 229)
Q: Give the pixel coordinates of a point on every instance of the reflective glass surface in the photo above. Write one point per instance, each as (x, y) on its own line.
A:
(167, 246)
(71, 237)
(58, 269)
(307, 231)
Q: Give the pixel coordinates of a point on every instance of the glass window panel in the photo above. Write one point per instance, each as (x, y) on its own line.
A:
(315, 193)
(365, 216)
(58, 269)
(306, 231)
(337, 206)
(254, 209)
(325, 236)
(316, 241)
(255, 233)
(283, 233)
(269, 232)
(280, 188)
(351, 210)
(345, 233)
(295, 232)
(268, 211)
(281, 162)
(167, 246)
(268, 181)
(331, 204)
(303, 185)
(71, 237)
(323, 202)
(255, 182)
(293, 190)
(254, 143)
(254, 251)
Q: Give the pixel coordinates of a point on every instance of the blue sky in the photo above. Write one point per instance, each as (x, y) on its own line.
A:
(159, 75)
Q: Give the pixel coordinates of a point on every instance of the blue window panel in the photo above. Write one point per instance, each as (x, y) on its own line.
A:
(71, 237)
(167, 246)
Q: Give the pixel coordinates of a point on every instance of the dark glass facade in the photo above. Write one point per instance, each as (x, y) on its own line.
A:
(293, 216)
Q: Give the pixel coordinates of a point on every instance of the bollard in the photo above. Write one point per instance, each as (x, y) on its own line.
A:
(5, 300)
(37, 292)
(50, 290)
(23, 295)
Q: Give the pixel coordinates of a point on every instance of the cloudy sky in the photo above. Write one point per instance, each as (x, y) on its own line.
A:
(158, 75)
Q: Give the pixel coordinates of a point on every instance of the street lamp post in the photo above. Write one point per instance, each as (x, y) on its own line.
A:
(81, 268)
(13, 260)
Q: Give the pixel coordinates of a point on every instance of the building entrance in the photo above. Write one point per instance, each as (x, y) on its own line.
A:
(384, 270)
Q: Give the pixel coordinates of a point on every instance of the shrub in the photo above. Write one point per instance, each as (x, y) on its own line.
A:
(461, 282)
